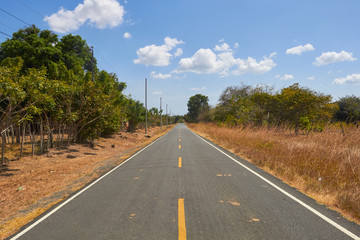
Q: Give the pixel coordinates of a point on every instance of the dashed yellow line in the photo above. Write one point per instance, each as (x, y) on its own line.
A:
(179, 146)
(181, 220)
(180, 162)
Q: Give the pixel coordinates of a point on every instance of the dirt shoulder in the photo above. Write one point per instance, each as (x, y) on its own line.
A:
(31, 185)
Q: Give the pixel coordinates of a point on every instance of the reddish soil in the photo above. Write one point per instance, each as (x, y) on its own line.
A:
(31, 185)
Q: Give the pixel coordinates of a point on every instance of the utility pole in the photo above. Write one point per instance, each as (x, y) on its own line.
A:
(146, 124)
(92, 63)
(166, 116)
(170, 117)
(160, 113)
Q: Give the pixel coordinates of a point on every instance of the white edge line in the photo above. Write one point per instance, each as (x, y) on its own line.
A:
(344, 230)
(80, 192)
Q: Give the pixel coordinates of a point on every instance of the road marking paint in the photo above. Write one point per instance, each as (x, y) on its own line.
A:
(179, 146)
(334, 224)
(181, 220)
(81, 191)
(179, 139)
(180, 162)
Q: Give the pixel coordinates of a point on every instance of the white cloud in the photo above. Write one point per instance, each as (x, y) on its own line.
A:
(250, 65)
(127, 35)
(100, 13)
(157, 55)
(333, 57)
(300, 49)
(310, 78)
(349, 79)
(205, 61)
(273, 54)
(285, 77)
(157, 93)
(236, 45)
(160, 75)
(197, 89)
(178, 52)
(223, 47)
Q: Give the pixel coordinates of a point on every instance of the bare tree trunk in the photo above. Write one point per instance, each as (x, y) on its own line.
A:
(3, 139)
(69, 135)
(22, 140)
(51, 138)
(342, 129)
(17, 133)
(62, 135)
(41, 138)
(58, 137)
(7, 135)
(48, 138)
(12, 134)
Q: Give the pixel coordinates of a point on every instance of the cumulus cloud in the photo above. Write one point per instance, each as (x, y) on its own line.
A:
(127, 35)
(285, 77)
(310, 78)
(205, 61)
(197, 89)
(300, 49)
(178, 52)
(157, 55)
(222, 47)
(236, 45)
(333, 57)
(100, 13)
(349, 79)
(153, 74)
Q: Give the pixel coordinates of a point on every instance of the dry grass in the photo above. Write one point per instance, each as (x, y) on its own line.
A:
(31, 185)
(326, 165)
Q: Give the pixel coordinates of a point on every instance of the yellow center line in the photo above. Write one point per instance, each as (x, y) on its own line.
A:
(180, 160)
(179, 139)
(181, 220)
(179, 146)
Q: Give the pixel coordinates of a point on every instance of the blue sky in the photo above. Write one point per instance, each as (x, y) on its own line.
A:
(188, 47)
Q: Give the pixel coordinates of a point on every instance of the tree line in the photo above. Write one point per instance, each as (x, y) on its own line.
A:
(50, 85)
(297, 107)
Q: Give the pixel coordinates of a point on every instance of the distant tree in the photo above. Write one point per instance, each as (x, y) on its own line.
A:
(198, 107)
(297, 105)
(349, 109)
(135, 112)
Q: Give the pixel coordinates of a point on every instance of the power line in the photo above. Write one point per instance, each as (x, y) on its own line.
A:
(5, 34)
(15, 17)
(8, 26)
(41, 15)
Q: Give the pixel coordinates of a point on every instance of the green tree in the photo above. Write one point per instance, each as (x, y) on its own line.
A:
(349, 109)
(198, 108)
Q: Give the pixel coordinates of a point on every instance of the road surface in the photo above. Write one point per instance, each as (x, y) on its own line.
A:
(183, 187)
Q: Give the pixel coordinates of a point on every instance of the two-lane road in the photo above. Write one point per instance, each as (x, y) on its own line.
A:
(182, 187)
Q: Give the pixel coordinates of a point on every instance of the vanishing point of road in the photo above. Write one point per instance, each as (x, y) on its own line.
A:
(184, 187)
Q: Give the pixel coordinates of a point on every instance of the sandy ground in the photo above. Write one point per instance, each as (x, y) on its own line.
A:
(31, 185)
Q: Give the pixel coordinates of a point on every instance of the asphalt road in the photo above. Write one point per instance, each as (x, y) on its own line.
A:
(181, 187)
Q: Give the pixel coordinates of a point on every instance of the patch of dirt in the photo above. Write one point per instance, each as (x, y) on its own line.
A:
(31, 185)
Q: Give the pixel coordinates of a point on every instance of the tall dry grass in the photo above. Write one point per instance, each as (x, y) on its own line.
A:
(324, 165)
